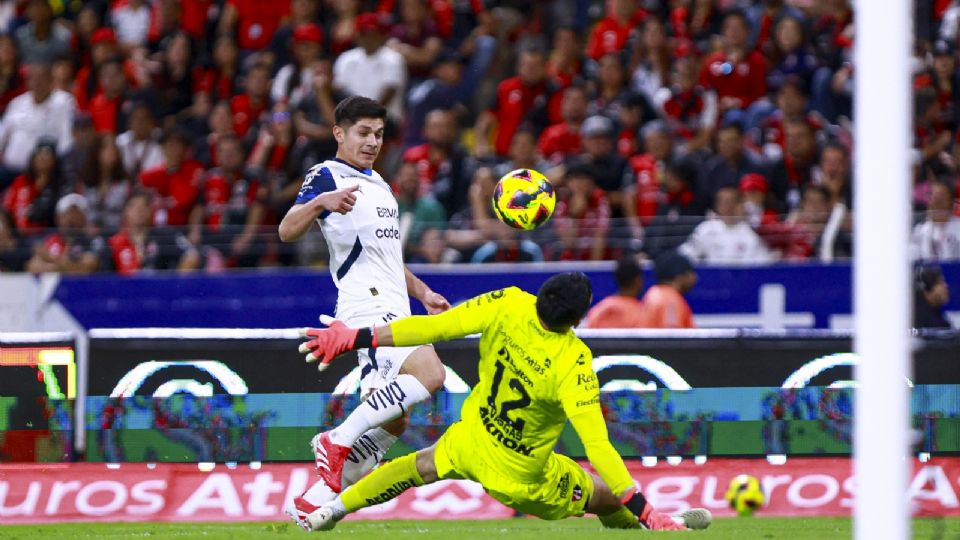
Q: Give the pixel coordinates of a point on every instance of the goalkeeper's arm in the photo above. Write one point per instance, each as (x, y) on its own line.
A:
(471, 317)
(592, 430)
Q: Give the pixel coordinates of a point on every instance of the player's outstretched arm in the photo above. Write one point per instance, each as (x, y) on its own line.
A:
(470, 317)
(301, 216)
(432, 301)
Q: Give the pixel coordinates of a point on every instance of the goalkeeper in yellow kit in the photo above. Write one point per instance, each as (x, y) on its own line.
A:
(535, 374)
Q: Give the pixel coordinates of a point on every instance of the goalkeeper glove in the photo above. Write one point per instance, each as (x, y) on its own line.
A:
(329, 343)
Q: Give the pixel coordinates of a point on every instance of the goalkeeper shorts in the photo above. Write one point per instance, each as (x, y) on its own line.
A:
(562, 492)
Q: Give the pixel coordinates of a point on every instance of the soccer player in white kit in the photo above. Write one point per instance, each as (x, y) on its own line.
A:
(359, 217)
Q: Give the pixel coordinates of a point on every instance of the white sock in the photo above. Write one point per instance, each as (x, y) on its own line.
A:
(383, 405)
(339, 510)
(365, 454)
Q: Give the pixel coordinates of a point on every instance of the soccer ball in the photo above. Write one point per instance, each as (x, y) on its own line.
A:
(524, 199)
(745, 495)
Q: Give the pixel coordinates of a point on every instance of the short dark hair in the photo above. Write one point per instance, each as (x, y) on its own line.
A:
(927, 277)
(563, 300)
(354, 108)
(627, 272)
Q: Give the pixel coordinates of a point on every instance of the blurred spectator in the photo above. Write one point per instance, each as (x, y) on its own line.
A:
(295, 81)
(561, 141)
(622, 309)
(138, 145)
(725, 238)
(664, 304)
(252, 21)
(371, 69)
(103, 46)
(565, 62)
(930, 296)
(342, 26)
(440, 162)
(77, 157)
(176, 77)
(13, 254)
(418, 211)
(679, 210)
(730, 163)
(33, 195)
(104, 184)
(815, 230)
(611, 33)
(11, 78)
(606, 166)
(284, 42)
(611, 92)
(515, 96)
(475, 224)
(313, 117)
(690, 109)
(40, 113)
(444, 90)
(763, 16)
(507, 246)
(634, 112)
(942, 78)
(523, 154)
(132, 19)
(231, 208)
(415, 37)
(756, 198)
(791, 56)
(176, 181)
(432, 249)
(582, 218)
(219, 82)
(695, 22)
(67, 250)
(220, 125)
(105, 106)
(645, 175)
(938, 237)
(791, 107)
(248, 107)
(736, 73)
(794, 170)
(833, 173)
(140, 246)
(651, 59)
(41, 41)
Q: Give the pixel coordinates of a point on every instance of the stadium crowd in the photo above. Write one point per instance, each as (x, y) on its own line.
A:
(168, 134)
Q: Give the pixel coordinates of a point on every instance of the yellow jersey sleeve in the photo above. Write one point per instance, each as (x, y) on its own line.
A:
(579, 393)
(470, 317)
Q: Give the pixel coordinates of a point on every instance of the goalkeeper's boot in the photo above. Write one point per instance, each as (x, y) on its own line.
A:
(329, 459)
(695, 518)
(300, 507)
(658, 521)
(322, 519)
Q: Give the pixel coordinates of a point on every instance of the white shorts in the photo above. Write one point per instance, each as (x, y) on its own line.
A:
(379, 366)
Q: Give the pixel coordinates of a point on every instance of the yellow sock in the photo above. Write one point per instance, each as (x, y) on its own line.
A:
(621, 519)
(383, 484)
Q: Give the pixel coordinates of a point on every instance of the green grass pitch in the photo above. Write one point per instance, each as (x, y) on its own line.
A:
(514, 529)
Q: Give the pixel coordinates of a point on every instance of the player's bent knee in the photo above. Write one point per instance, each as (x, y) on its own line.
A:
(425, 365)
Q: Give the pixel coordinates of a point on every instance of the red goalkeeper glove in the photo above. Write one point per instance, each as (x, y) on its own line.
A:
(329, 343)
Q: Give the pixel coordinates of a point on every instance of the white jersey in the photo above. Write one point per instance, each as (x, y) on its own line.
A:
(366, 259)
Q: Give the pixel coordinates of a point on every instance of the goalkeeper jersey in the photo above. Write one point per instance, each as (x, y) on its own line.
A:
(531, 381)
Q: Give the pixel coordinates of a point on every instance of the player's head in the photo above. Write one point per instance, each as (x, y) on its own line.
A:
(359, 130)
(563, 300)
(629, 276)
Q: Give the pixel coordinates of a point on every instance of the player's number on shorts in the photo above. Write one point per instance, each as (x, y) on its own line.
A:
(507, 406)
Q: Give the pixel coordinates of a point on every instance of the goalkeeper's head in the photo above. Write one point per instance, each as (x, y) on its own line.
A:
(563, 300)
